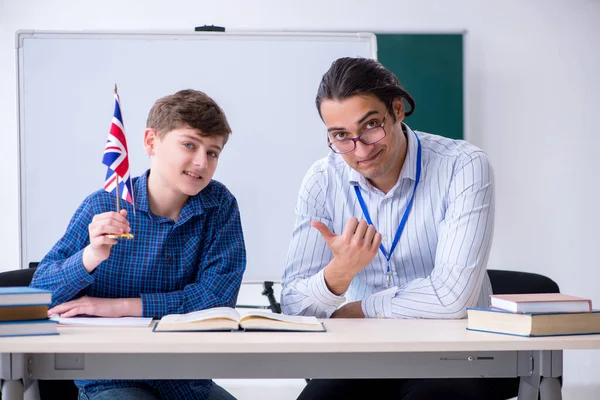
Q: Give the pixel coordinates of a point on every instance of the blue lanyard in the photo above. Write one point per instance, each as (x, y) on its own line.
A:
(388, 256)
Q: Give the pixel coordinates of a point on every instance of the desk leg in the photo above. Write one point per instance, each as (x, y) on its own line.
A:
(539, 372)
(12, 390)
(550, 389)
(16, 373)
(32, 391)
(529, 388)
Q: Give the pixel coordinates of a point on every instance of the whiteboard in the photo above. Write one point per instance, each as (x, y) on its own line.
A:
(265, 82)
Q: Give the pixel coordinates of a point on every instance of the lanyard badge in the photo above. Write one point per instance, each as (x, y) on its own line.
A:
(363, 206)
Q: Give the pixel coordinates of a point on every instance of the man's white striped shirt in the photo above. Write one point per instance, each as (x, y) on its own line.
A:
(439, 265)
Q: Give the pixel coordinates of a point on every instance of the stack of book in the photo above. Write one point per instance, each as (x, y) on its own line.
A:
(24, 312)
(545, 314)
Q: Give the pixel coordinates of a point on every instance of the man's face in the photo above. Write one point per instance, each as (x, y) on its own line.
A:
(184, 161)
(379, 162)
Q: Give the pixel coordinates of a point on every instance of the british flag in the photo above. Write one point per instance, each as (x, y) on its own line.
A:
(116, 157)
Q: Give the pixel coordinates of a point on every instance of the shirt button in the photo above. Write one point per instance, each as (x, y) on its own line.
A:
(385, 201)
(377, 315)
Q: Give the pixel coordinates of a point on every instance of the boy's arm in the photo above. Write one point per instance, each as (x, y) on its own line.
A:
(219, 276)
(62, 270)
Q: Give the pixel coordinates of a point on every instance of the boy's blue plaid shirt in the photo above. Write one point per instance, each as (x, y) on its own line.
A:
(175, 267)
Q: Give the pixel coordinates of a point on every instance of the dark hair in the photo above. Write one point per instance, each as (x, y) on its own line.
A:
(188, 109)
(350, 76)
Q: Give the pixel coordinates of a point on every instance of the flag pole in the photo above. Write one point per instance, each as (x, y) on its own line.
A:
(117, 175)
(117, 192)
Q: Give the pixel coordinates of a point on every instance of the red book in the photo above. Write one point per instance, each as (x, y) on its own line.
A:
(540, 303)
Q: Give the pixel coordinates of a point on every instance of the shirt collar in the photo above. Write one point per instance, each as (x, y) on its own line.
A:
(194, 206)
(409, 168)
(140, 192)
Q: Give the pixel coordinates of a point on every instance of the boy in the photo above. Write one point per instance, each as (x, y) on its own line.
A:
(188, 252)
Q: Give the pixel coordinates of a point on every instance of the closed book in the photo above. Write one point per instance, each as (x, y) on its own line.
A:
(540, 302)
(530, 324)
(23, 296)
(28, 328)
(230, 319)
(23, 313)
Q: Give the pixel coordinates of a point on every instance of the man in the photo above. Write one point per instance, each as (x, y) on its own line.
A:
(393, 223)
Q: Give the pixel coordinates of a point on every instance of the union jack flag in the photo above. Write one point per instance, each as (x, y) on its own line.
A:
(116, 157)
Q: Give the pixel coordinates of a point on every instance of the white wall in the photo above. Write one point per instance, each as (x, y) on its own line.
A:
(532, 99)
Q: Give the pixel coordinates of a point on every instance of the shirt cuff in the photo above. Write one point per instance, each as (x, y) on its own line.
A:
(76, 273)
(155, 305)
(379, 305)
(320, 292)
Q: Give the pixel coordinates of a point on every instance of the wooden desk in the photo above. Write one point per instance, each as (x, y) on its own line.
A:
(355, 348)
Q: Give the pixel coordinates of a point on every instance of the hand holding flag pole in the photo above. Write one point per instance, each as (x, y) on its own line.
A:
(117, 160)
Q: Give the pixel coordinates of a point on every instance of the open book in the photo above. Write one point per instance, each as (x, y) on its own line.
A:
(229, 319)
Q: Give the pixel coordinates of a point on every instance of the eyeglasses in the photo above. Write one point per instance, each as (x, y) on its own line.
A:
(367, 136)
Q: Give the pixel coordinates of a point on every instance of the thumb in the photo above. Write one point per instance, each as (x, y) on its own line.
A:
(325, 232)
(123, 212)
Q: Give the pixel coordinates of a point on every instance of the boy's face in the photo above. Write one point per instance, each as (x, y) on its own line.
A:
(183, 160)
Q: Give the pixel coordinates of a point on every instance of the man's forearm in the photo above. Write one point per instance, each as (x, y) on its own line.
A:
(350, 310)
(309, 296)
(336, 278)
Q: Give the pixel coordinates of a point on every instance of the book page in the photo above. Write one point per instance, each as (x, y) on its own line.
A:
(101, 321)
(298, 319)
(202, 315)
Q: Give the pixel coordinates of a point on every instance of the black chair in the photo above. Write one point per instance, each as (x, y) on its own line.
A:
(52, 389)
(19, 277)
(515, 282)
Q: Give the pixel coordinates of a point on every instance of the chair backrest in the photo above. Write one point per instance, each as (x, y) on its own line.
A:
(18, 277)
(516, 282)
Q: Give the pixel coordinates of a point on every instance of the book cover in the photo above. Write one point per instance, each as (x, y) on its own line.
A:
(533, 324)
(28, 328)
(23, 296)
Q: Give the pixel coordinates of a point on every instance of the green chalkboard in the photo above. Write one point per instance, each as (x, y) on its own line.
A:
(430, 68)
